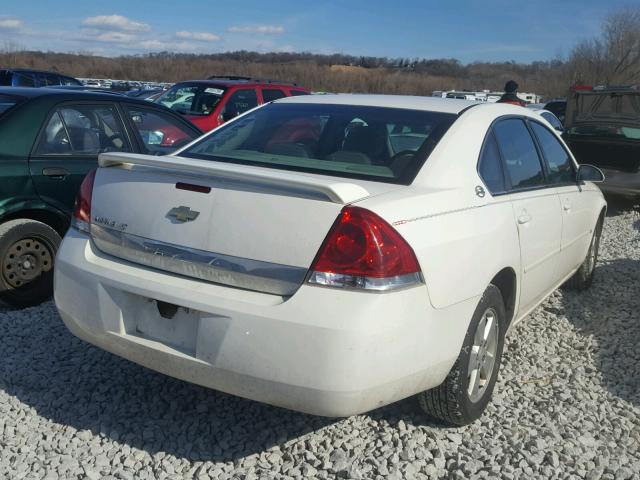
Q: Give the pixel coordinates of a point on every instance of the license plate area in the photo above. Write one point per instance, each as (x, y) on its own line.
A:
(170, 324)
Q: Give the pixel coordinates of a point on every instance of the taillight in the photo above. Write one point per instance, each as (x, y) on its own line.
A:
(82, 212)
(363, 251)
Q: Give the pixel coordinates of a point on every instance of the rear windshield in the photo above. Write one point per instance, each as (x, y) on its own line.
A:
(199, 100)
(370, 143)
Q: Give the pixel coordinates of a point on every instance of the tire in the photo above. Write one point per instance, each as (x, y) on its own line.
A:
(27, 252)
(452, 402)
(583, 278)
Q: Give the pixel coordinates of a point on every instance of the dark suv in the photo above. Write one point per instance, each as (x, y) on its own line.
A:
(603, 129)
(33, 78)
(210, 103)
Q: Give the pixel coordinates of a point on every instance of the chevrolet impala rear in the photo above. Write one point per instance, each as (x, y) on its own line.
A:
(325, 255)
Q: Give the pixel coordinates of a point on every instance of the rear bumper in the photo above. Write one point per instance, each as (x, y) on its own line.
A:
(620, 183)
(322, 351)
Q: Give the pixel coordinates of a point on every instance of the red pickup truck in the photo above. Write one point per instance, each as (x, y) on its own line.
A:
(210, 103)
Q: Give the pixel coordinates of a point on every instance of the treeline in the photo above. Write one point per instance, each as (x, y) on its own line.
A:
(332, 73)
(613, 57)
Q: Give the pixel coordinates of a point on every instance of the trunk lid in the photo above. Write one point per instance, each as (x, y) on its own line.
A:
(247, 227)
(603, 127)
(607, 106)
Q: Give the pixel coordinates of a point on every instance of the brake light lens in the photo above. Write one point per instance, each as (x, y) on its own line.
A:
(363, 251)
(81, 219)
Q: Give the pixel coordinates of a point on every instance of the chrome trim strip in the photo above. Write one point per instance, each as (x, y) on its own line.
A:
(228, 270)
(365, 284)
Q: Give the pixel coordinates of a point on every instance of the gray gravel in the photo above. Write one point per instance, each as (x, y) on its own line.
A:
(567, 405)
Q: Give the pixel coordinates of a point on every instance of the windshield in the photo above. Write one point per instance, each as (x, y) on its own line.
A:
(371, 143)
(192, 99)
(609, 131)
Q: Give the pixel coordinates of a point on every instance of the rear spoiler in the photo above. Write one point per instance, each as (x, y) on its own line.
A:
(336, 192)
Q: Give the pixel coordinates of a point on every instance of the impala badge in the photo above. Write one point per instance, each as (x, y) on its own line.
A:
(183, 214)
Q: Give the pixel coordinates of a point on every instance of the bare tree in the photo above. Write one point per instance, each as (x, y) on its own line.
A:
(613, 57)
(622, 37)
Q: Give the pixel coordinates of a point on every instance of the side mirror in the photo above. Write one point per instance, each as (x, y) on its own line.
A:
(589, 173)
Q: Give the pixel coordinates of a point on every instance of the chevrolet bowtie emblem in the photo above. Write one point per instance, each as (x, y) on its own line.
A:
(183, 214)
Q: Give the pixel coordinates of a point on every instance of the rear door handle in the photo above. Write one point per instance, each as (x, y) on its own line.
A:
(524, 217)
(566, 206)
(55, 172)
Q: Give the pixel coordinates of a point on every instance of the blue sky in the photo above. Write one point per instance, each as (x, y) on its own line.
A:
(488, 30)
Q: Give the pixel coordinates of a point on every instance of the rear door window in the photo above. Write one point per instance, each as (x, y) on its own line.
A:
(52, 79)
(54, 139)
(559, 163)
(519, 153)
(239, 102)
(269, 95)
(22, 79)
(83, 130)
(490, 168)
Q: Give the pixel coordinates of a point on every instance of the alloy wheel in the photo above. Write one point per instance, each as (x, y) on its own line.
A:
(482, 358)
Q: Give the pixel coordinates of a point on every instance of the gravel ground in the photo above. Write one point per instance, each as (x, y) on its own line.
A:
(567, 405)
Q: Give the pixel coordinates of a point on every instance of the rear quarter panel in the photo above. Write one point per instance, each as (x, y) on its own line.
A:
(460, 248)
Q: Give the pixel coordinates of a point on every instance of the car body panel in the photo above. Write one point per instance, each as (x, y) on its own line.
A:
(350, 373)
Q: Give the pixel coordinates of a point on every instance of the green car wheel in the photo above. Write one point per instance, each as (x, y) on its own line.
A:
(27, 252)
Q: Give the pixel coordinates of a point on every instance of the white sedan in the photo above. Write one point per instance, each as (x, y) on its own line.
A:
(333, 254)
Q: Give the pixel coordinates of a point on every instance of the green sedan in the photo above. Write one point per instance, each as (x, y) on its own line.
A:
(49, 140)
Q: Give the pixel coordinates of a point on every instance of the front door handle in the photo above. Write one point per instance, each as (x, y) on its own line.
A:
(524, 217)
(55, 172)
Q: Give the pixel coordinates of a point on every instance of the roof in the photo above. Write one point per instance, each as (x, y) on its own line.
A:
(432, 104)
(33, 92)
(63, 94)
(244, 83)
(33, 70)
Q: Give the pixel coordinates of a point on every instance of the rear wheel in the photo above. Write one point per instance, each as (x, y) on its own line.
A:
(466, 391)
(27, 252)
(583, 278)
